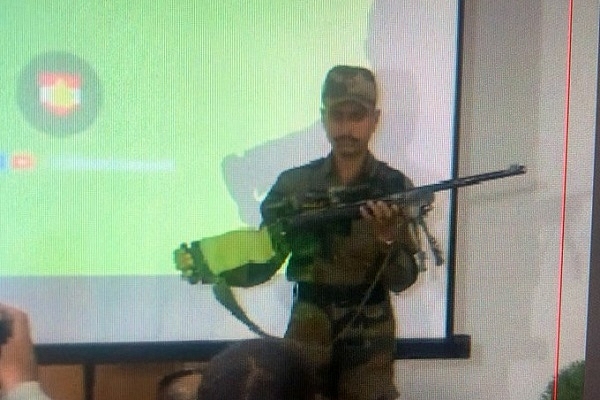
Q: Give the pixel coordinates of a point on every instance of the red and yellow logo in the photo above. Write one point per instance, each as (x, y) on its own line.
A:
(60, 93)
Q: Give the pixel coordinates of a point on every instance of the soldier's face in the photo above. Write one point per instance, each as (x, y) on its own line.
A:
(349, 127)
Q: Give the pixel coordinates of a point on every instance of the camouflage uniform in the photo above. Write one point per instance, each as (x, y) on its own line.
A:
(333, 279)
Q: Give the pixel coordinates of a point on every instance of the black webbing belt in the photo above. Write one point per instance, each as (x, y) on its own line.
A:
(340, 295)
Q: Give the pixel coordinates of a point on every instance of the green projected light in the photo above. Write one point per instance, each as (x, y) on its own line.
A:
(117, 117)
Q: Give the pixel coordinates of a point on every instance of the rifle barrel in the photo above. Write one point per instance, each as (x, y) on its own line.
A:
(513, 170)
(419, 196)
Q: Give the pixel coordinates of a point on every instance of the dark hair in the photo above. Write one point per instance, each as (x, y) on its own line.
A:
(167, 389)
(260, 369)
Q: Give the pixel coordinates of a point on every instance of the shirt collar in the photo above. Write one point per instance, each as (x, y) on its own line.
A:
(367, 171)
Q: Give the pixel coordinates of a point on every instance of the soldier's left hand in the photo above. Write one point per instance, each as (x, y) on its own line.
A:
(384, 218)
(183, 259)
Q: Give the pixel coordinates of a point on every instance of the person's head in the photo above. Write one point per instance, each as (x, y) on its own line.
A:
(180, 385)
(259, 370)
(349, 109)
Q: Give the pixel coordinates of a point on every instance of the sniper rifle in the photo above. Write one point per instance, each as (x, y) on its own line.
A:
(293, 215)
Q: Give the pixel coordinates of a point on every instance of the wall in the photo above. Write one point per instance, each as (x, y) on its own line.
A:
(112, 382)
(509, 235)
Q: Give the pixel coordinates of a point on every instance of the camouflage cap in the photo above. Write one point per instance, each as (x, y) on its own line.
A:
(346, 83)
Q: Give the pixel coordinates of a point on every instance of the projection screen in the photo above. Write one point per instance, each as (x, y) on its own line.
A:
(132, 127)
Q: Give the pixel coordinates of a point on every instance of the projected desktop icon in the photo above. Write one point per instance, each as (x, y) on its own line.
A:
(17, 161)
(59, 93)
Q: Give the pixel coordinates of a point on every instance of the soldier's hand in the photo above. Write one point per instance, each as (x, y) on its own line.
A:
(183, 259)
(384, 218)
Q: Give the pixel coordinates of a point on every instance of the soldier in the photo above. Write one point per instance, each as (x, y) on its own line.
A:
(343, 272)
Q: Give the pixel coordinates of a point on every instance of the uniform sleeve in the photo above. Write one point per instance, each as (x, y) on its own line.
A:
(408, 234)
(403, 270)
(26, 391)
(275, 202)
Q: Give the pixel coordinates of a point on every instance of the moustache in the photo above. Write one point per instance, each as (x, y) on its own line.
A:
(345, 140)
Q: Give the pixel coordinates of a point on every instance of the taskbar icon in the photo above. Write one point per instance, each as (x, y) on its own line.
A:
(17, 161)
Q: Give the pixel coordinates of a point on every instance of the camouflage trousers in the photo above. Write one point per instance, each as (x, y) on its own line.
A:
(359, 341)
